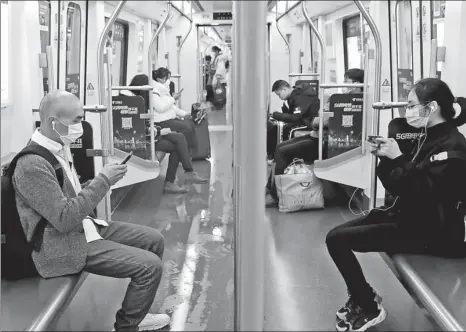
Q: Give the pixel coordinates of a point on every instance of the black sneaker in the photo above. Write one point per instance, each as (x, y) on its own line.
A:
(359, 319)
(349, 305)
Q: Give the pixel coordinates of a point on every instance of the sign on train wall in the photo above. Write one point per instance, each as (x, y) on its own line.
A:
(345, 123)
(129, 130)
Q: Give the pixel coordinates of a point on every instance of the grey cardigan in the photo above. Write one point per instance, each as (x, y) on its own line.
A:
(38, 194)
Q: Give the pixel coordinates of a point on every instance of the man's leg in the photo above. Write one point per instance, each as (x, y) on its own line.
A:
(131, 251)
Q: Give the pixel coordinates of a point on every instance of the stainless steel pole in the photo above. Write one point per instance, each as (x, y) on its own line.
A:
(249, 54)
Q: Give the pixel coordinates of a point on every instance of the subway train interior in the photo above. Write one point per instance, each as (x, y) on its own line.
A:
(231, 260)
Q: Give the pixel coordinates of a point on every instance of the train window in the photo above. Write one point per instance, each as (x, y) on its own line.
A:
(5, 60)
(119, 51)
(354, 41)
(45, 34)
(404, 47)
(438, 24)
(73, 48)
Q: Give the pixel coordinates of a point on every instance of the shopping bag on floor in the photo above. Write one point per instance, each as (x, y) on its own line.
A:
(299, 188)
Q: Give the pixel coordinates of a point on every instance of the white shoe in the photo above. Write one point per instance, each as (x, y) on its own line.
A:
(154, 322)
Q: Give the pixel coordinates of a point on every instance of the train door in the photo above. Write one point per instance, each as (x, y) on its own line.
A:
(72, 47)
(401, 24)
(49, 36)
(119, 42)
(437, 27)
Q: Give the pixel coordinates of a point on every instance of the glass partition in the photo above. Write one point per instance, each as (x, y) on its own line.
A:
(73, 48)
(404, 47)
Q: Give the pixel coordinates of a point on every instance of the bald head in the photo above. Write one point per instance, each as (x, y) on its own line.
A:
(62, 106)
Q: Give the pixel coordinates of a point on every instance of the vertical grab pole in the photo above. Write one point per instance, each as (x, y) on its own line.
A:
(366, 104)
(178, 53)
(433, 58)
(109, 101)
(249, 45)
(322, 76)
(104, 118)
(377, 83)
(149, 66)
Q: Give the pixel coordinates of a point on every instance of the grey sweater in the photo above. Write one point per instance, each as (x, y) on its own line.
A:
(38, 194)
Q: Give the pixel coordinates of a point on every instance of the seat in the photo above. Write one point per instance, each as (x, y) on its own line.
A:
(437, 284)
(34, 304)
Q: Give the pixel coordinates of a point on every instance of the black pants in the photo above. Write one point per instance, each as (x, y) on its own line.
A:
(272, 140)
(175, 144)
(372, 233)
(186, 127)
(303, 147)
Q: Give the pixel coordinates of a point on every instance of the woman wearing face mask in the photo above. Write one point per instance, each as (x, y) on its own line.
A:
(170, 142)
(428, 215)
(167, 115)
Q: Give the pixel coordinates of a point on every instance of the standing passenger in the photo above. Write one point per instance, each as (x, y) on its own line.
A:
(427, 216)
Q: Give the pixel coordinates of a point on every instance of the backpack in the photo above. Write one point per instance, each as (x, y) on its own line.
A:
(16, 256)
(220, 95)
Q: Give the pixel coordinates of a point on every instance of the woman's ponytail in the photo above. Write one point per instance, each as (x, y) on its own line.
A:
(461, 118)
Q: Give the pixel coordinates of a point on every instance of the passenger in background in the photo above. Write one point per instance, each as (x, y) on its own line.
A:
(304, 147)
(299, 106)
(354, 75)
(167, 114)
(173, 143)
(427, 216)
(208, 61)
(73, 241)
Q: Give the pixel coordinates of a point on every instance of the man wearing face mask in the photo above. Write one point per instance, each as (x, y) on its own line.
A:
(74, 241)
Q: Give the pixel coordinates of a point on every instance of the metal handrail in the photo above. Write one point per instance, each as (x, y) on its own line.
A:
(433, 58)
(149, 66)
(288, 10)
(178, 53)
(302, 74)
(106, 135)
(377, 84)
(322, 76)
(87, 108)
(50, 71)
(281, 33)
(342, 85)
(133, 88)
(383, 105)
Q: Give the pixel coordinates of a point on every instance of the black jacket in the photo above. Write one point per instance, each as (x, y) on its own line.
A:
(305, 97)
(429, 192)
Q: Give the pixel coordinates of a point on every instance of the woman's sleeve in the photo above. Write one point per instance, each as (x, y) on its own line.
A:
(162, 104)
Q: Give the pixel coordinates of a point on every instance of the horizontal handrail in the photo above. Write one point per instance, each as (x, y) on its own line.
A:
(179, 11)
(382, 105)
(341, 85)
(87, 108)
(303, 74)
(289, 10)
(133, 88)
(175, 76)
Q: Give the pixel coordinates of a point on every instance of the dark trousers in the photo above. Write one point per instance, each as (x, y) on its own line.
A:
(372, 233)
(186, 127)
(272, 140)
(303, 147)
(175, 144)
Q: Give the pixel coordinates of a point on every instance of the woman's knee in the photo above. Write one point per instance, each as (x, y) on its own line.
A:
(333, 238)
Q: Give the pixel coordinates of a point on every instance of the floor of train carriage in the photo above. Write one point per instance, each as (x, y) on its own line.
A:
(303, 288)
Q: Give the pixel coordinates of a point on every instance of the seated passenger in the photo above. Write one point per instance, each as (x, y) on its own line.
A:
(167, 114)
(170, 142)
(304, 147)
(73, 241)
(354, 75)
(299, 106)
(426, 218)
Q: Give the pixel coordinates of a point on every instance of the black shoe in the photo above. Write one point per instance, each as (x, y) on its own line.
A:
(359, 319)
(349, 305)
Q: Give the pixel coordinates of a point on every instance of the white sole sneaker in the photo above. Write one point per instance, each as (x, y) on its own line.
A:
(153, 322)
(375, 321)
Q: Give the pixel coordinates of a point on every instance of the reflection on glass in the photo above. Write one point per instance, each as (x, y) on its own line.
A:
(4, 50)
(404, 46)
(73, 48)
(45, 33)
(356, 36)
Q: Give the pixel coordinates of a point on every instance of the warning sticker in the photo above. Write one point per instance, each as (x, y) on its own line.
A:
(90, 89)
(386, 83)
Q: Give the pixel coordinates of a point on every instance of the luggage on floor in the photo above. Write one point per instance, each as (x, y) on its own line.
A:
(299, 188)
(203, 140)
(220, 95)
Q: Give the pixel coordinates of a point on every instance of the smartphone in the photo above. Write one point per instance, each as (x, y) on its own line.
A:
(372, 139)
(128, 157)
(179, 92)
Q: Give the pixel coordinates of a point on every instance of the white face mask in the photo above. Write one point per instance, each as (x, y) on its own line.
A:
(414, 118)
(167, 83)
(75, 131)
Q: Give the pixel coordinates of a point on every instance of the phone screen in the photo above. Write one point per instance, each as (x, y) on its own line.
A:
(181, 90)
(128, 157)
(372, 139)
